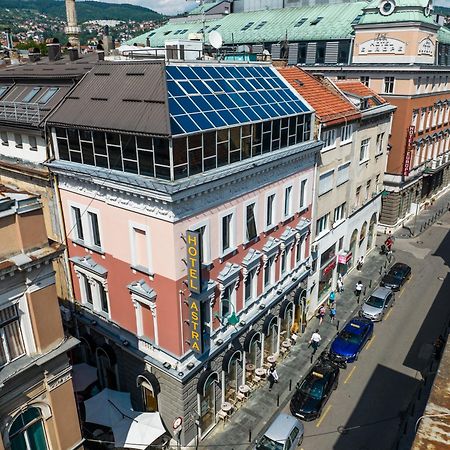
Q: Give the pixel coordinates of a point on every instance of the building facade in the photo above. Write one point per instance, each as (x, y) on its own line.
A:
(187, 208)
(37, 406)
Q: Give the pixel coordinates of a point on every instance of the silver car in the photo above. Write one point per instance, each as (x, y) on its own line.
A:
(285, 433)
(375, 306)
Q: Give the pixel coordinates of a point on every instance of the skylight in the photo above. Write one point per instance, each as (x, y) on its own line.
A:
(316, 21)
(300, 22)
(247, 26)
(31, 95)
(260, 25)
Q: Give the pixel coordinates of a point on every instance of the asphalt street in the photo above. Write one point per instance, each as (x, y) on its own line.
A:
(366, 411)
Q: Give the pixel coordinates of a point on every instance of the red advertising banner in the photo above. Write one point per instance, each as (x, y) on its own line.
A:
(408, 150)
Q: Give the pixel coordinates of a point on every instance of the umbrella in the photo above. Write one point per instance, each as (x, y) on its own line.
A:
(108, 407)
(138, 430)
(83, 375)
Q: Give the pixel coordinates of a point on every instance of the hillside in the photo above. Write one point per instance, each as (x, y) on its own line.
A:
(86, 10)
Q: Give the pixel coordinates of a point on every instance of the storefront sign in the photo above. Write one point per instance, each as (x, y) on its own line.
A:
(194, 261)
(327, 269)
(344, 259)
(195, 317)
(408, 150)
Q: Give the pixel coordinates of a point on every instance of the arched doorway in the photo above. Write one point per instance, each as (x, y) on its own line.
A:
(107, 367)
(27, 432)
(371, 233)
(362, 238)
(230, 379)
(352, 248)
(150, 389)
(287, 317)
(207, 407)
(252, 349)
(270, 329)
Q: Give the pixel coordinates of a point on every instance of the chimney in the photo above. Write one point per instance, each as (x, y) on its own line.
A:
(54, 49)
(34, 54)
(73, 53)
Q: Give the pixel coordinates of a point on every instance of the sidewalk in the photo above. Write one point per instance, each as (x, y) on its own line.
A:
(248, 422)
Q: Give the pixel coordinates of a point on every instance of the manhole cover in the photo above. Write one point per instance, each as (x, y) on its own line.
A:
(441, 278)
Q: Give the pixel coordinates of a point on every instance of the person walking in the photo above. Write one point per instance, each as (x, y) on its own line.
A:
(315, 341)
(360, 263)
(332, 312)
(321, 314)
(272, 376)
(358, 289)
(332, 298)
(340, 284)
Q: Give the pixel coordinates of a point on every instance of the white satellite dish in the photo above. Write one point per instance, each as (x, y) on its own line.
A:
(215, 39)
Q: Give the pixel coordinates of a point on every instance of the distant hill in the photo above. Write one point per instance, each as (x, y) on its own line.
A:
(86, 10)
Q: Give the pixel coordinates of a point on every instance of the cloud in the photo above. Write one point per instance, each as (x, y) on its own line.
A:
(161, 6)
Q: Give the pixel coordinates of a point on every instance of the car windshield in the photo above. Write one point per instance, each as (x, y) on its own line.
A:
(397, 274)
(267, 444)
(313, 387)
(377, 302)
(350, 337)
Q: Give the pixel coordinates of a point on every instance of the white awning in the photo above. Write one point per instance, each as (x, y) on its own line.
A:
(83, 375)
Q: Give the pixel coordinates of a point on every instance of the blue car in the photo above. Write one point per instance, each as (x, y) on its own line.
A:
(351, 339)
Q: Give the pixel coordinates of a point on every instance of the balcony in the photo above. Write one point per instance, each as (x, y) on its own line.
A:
(20, 112)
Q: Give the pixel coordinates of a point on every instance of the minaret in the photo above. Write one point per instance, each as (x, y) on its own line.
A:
(72, 30)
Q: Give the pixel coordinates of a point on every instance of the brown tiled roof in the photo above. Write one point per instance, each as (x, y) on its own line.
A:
(360, 90)
(330, 105)
(127, 96)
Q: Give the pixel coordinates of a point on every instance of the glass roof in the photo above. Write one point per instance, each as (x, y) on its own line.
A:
(207, 97)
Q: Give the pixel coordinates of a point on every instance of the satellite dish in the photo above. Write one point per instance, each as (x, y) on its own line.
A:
(215, 39)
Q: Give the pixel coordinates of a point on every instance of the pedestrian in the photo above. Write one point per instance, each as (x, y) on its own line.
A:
(272, 376)
(340, 284)
(315, 340)
(321, 314)
(332, 312)
(358, 289)
(332, 298)
(360, 263)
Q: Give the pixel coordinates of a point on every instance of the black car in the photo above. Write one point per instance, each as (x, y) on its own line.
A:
(313, 392)
(397, 276)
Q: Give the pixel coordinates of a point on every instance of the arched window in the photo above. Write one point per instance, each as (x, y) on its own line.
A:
(150, 389)
(362, 234)
(230, 365)
(206, 389)
(270, 330)
(27, 431)
(353, 247)
(371, 233)
(287, 316)
(106, 365)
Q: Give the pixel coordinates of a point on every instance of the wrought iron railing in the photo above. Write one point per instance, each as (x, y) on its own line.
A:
(20, 112)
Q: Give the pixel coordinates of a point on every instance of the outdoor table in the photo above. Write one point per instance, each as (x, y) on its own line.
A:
(250, 368)
(244, 389)
(286, 344)
(272, 359)
(226, 407)
(260, 372)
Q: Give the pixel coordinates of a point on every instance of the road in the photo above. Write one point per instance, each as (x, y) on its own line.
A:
(364, 413)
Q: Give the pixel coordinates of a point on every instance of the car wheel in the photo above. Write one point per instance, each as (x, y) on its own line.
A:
(355, 358)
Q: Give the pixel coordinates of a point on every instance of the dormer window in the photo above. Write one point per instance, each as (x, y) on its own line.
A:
(387, 7)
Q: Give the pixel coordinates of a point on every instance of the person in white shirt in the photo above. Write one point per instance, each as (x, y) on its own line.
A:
(315, 340)
(272, 376)
(358, 289)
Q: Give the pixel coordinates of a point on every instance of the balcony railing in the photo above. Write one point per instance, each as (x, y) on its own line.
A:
(20, 112)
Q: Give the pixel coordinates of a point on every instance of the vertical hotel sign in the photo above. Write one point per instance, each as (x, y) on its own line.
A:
(408, 150)
(195, 286)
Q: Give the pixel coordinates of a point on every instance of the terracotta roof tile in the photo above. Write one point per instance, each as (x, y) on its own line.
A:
(330, 105)
(361, 90)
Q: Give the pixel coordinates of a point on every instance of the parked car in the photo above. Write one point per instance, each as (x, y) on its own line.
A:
(397, 276)
(375, 306)
(285, 433)
(313, 392)
(347, 345)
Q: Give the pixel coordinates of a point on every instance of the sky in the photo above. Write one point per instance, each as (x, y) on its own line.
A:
(161, 6)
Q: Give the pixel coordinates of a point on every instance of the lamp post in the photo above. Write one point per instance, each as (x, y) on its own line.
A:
(232, 319)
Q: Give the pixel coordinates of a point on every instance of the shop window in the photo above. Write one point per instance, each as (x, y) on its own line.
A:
(27, 431)
(208, 407)
(270, 340)
(371, 232)
(231, 381)
(353, 240)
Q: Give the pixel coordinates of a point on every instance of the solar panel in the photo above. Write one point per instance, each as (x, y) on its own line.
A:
(207, 97)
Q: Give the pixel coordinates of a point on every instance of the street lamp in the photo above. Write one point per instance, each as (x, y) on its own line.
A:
(232, 319)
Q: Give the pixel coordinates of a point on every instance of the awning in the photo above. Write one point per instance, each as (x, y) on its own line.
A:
(229, 356)
(285, 307)
(204, 379)
(344, 257)
(138, 430)
(83, 375)
(326, 270)
(151, 379)
(251, 337)
(268, 322)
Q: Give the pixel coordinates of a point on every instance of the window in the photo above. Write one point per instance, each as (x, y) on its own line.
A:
(419, 83)
(368, 186)
(48, 95)
(11, 341)
(226, 302)
(269, 272)
(270, 211)
(316, 20)
(33, 143)
(27, 431)
(423, 113)
(93, 292)
(31, 95)
(364, 150)
(365, 80)
(103, 298)
(341, 77)
(329, 138)
(77, 223)
(4, 137)
(320, 52)
(326, 182)
(227, 233)
(380, 138)
(339, 212)
(388, 85)
(322, 223)
(140, 247)
(300, 249)
(89, 297)
(302, 202)
(95, 232)
(148, 395)
(288, 202)
(250, 287)
(18, 140)
(346, 133)
(285, 261)
(358, 195)
(251, 232)
(343, 174)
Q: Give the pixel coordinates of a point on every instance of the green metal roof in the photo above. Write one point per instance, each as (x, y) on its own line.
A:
(444, 35)
(249, 27)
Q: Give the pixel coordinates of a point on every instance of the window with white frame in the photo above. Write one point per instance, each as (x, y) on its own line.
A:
(300, 249)
(447, 113)
(414, 118)
(302, 202)
(389, 85)
(270, 211)
(435, 116)
(32, 142)
(85, 225)
(228, 301)
(343, 173)
(326, 182)
(419, 84)
(423, 113)
(227, 227)
(11, 339)
(358, 195)
(287, 211)
(250, 222)
(364, 150)
(368, 188)
(441, 115)
(18, 140)
(93, 292)
(77, 224)
(329, 138)
(380, 143)
(322, 223)
(250, 287)
(365, 80)
(339, 212)
(145, 310)
(269, 272)
(140, 247)
(94, 228)
(346, 133)
(429, 117)
(285, 265)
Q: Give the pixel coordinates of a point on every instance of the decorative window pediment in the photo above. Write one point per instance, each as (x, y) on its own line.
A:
(288, 236)
(303, 226)
(271, 247)
(87, 263)
(252, 259)
(229, 274)
(143, 290)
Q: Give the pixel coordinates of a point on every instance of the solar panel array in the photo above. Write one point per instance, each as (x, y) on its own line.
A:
(208, 97)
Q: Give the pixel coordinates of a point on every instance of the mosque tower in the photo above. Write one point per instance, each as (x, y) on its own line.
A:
(72, 30)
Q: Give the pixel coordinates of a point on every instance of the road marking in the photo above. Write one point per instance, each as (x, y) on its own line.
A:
(350, 375)
(388, 314)
(370, 342)
(323, 416)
